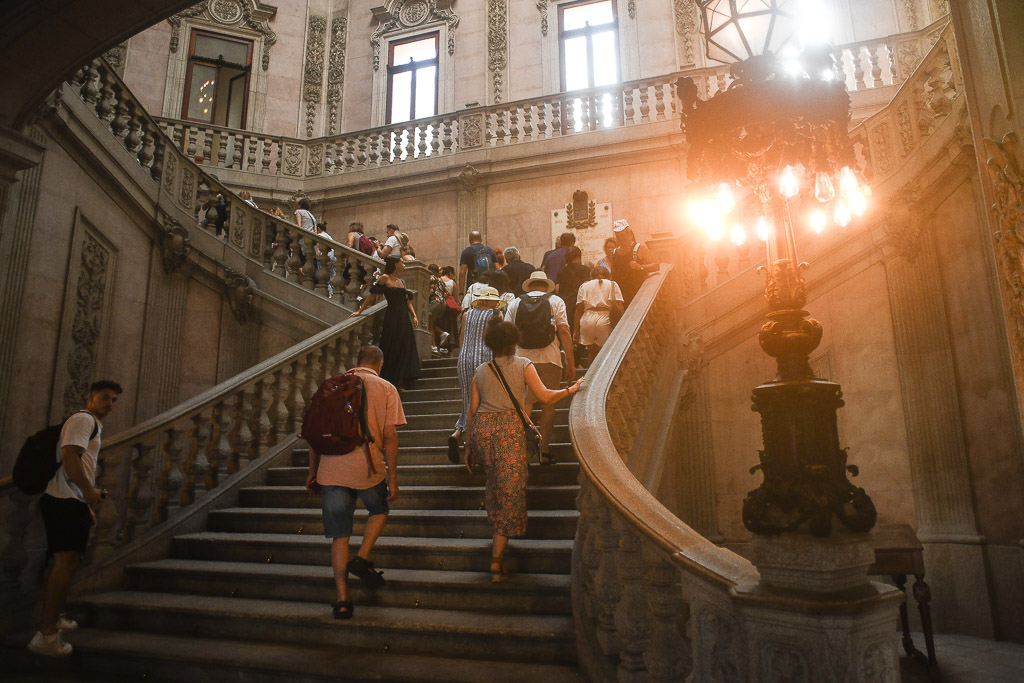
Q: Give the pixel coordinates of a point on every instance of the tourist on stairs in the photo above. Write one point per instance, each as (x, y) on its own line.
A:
(598, 308)
(497, 436)
(474, 353)
(397, 338)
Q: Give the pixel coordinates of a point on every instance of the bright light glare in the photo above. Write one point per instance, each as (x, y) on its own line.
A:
(841, 215)
(823, 190)
(715, 229)
(762, 228)
(814, 24)
(724, 198)
(858, 203)
(818, 220)
(738, 235)
(847, 181)
(792, 67)
(789, 186)
(828, 75)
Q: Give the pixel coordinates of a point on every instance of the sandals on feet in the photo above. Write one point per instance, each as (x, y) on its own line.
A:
(366, 573)
(453, 449)
(546, 459)
(499, 575)
(343, 609)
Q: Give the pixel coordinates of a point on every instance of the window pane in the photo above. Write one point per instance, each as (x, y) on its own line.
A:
(211, 47)
(417, 50)
(595, 13)
(236, 102)
(606, 63)
(401, 92)
(576, 63)
(200, 96)
(426, 85)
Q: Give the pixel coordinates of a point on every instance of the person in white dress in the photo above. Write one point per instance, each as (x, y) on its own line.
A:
(598, 302)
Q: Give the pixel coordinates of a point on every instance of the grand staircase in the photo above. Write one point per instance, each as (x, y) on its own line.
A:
(248, 599)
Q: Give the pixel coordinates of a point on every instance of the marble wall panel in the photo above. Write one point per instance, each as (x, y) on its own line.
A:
(200, 340)
(146, 66)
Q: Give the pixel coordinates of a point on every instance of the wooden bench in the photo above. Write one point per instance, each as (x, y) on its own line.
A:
(898, 553)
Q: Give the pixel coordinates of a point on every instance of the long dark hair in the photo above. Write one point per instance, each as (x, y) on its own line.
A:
(391, 264)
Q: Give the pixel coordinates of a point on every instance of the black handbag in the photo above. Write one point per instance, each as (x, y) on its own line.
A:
(532, 433)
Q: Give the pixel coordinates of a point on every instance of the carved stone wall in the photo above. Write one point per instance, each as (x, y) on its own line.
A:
(313, 71)
(161, 340)
(336, 72)
(497, 47)
(687, 37)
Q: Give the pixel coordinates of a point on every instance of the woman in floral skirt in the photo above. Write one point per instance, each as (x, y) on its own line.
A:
(497, 438)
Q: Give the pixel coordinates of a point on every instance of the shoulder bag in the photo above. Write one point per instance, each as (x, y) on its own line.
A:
(532, 433)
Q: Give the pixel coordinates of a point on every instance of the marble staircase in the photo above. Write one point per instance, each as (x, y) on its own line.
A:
(248, 598)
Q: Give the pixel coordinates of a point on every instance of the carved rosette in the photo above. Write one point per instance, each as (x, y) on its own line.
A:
(115, 57)
(175, 245)
(398, 15)
(336, 71)
(1004, 168)
(313, 73)
(469, 178)
(497, 44)
(240, 291)
(250, 15)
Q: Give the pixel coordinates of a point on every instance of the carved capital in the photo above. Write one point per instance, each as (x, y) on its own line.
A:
(397, 15)
(175, 245)
(904, 224)
(240, 291)
(469, 178)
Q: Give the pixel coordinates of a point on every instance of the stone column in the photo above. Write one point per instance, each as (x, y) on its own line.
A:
(935, 438)
(472, 209)
(161, 341)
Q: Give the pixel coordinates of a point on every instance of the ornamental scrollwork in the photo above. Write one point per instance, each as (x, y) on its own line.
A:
(252, 15)
(471, 131)
(90, 295)
(1005, 171)
(175, 245)
(313, 73)
(240, 290)
(542, 7)
(686, 25)
(397, 15)
(497, 44)
(336, 71)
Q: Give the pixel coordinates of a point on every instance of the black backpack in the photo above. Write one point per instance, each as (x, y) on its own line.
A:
(38, 460)
(535, 322)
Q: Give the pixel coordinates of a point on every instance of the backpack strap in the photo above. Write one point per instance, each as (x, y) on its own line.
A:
(527, 422)
(364, 427)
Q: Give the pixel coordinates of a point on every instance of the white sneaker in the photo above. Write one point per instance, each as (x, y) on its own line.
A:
(65, 625)
(49, 646)
(444, 339)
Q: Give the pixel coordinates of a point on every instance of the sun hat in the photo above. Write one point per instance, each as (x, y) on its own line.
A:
(485, 294)
(620, 225)
(539, 276)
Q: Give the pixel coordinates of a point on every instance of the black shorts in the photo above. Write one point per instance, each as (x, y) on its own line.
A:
(67, 522)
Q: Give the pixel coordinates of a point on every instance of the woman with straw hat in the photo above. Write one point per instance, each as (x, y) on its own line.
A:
(473, 353)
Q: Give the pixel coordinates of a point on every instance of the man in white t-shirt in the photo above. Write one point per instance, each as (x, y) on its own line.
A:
(67, 515)
(546, 359)
(392, 245)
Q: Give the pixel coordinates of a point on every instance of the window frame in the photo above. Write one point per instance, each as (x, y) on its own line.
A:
(191, 60)
(391, 70)
(588, 32)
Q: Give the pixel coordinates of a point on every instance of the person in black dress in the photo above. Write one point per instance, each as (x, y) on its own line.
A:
(397, 339)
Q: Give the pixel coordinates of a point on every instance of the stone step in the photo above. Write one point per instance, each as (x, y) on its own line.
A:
(430, 372)
(451, 475)
(447, 633)
(410, 588)
(550, 524)
(439, 437)
(447, 420)
(446, 381)
(432, 363)
(110, 655)
(526, 556)
(437, 455)
(411, 396)
(415, 497)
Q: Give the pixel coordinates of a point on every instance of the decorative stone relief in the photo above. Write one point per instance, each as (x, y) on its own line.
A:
(631, 9)
(542, 6)
(248, 14)
(881, 145)
(336, 71)
(1005, 170)
(175, 244)
(169, 168)
(397, 15)
(497, 44)
(115, 57)
(469, 178)
(908, 56)
(904, 225)
(875, 667)
(581, 212)
(313, 73)
(905, 127)
(238, 228)
(686, 26)
(292, 159)
(783, 663)
(241, 294)
(188, 189)
(471, 131)
(257, 237)
(315, 162)
(720, 652)
(909, 15)
(693, 361)
(90, 295)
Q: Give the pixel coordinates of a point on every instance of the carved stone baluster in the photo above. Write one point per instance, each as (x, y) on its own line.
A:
(556, 117)
(107, 105)
(659, 102)
(499, 127)
(313, 373)
(323, 276)
(891, 58)
(876, 69)
(277, 158)
(528, 123)
(628, 108)
(280, 415)
(543, 131)
(221, 140)
(172, 479)
(308, 269)
(110, 476)
(858, 68)
(338, 279)
(236, 154)
(645, 107)
(268, 144)
(193, 134)
(839, 57)
(133, 140)
(264, 399)
(244, 442)
(208, 135)
(141, 493)
(570, 116)
(282, 240)
(420, 140)
(294, 235)
(14, 559)
(668, 656)
(198, 464)
(250, 157)
(397, 144)
(120, 124)
(223, 452)
(147, 150)
(159, 147)
(331, 364)
(437, 135)
(513, 125)
(90, 90)
(177, 135)
(78, 79)
(297, 394)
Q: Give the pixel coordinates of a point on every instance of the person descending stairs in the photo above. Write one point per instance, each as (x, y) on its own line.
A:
(249, 597)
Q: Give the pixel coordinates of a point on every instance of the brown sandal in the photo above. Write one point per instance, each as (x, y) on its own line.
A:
(499, 575)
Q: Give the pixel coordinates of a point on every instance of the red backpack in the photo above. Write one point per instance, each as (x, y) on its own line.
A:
(335, 422)
(365, 245)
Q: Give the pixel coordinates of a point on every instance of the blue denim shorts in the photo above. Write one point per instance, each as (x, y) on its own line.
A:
(339, 505)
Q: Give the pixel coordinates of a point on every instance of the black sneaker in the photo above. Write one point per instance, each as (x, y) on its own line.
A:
(366, 573)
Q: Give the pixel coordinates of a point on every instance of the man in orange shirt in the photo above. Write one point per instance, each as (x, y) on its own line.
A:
(340, 479)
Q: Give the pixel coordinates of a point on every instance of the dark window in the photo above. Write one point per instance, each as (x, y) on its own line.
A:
(588, 38)
(217, 80)
(412, 78)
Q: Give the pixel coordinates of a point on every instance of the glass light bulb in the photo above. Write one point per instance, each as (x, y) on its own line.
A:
(823, 190)
(738, 235)
(715, 229)
(789, 186)
(724, 198)
(694, 211)
(762, 228)
(818, 220)
(847, 181)
(841, 215)
(858, 203)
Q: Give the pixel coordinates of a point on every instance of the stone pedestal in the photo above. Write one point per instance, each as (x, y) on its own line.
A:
(815, 616)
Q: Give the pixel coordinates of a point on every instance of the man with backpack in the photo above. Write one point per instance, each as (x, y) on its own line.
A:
(67, 515)
(352, 429)
(543, 328)
(476, 260)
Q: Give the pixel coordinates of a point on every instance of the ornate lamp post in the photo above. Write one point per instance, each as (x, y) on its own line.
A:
(780, 132)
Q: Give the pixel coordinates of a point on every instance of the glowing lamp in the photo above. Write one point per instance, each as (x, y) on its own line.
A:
(738, 235)
(762, 228)
(818, 220)
(823, 190)
(789, 186)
